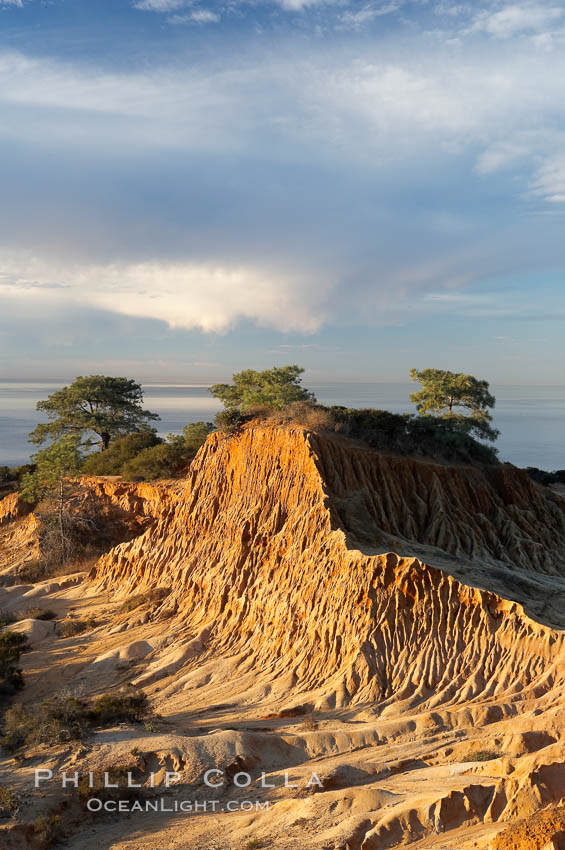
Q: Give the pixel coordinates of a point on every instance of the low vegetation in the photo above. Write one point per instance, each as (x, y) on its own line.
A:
(11, 478)
(483, 755)
(165, 460)
(119, 453)
(144, 456)
(7, 618)
(152, 597)
(128, 705)
(101, 787)
(38, 570)
(309, 724)
(65, 718)
(547, 478)
(169, 458)
(39, 614)
(46, 831)
(12, 645)
(408, 434)
(9, 803)
(453, 409)
(69, 628)
(313, 417)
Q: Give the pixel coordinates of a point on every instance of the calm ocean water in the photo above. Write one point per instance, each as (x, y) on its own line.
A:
(531, 419)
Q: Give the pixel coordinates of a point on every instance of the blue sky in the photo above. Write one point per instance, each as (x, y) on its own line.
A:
(194, 187)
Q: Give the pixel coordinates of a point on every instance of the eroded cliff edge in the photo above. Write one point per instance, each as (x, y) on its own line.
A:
(267, 549)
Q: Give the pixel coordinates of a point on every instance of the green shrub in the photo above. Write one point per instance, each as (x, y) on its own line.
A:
(195, 435)
(128, 705)
(37, 570)
(97, 785)
(119, 452)
(70, 628)
(7, 618)
(11, 477)
(64, 718)
(483, 755)
(547, 478)
(46, 831)
(12, 644)
(19, 726)
(161, 461)
(406, 433)
(229, 421)
(168, 459)
(60, 719)
(307, 414)
(37, 614)
(153, 597)
(145, 457)
(9, 803)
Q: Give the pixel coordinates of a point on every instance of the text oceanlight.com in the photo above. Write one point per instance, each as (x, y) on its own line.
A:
(95, 804)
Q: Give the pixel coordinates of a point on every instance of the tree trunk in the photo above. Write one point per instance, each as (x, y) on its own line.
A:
(105, 441)
(62, 524)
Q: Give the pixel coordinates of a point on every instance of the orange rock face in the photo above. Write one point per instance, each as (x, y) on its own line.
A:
(11, 509)
(268, 547)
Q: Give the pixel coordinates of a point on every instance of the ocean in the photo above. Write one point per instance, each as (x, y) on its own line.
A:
(531, 419)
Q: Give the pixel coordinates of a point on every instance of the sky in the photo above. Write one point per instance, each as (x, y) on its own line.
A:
(193, 187)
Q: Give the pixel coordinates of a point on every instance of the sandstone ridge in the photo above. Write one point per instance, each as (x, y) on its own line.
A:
(392, 623)
(267, 545)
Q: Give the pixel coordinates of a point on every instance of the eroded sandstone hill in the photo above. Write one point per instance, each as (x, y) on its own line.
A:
(298, 551)
(414, 609)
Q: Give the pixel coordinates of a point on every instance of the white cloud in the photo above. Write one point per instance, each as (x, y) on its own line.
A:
(199, 16)
(336, 96)
(350, 108)
(549, 179)
(368, 13)
(517, 18)
(18, 3)
(299, 5)
(207, 16)
(501, 155)
(203, 295)
(450, 9)
(356, 111)
(204, 16)
(160, 5)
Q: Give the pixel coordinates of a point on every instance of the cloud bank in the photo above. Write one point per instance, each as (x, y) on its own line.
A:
(323, 181)
(184, 295)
